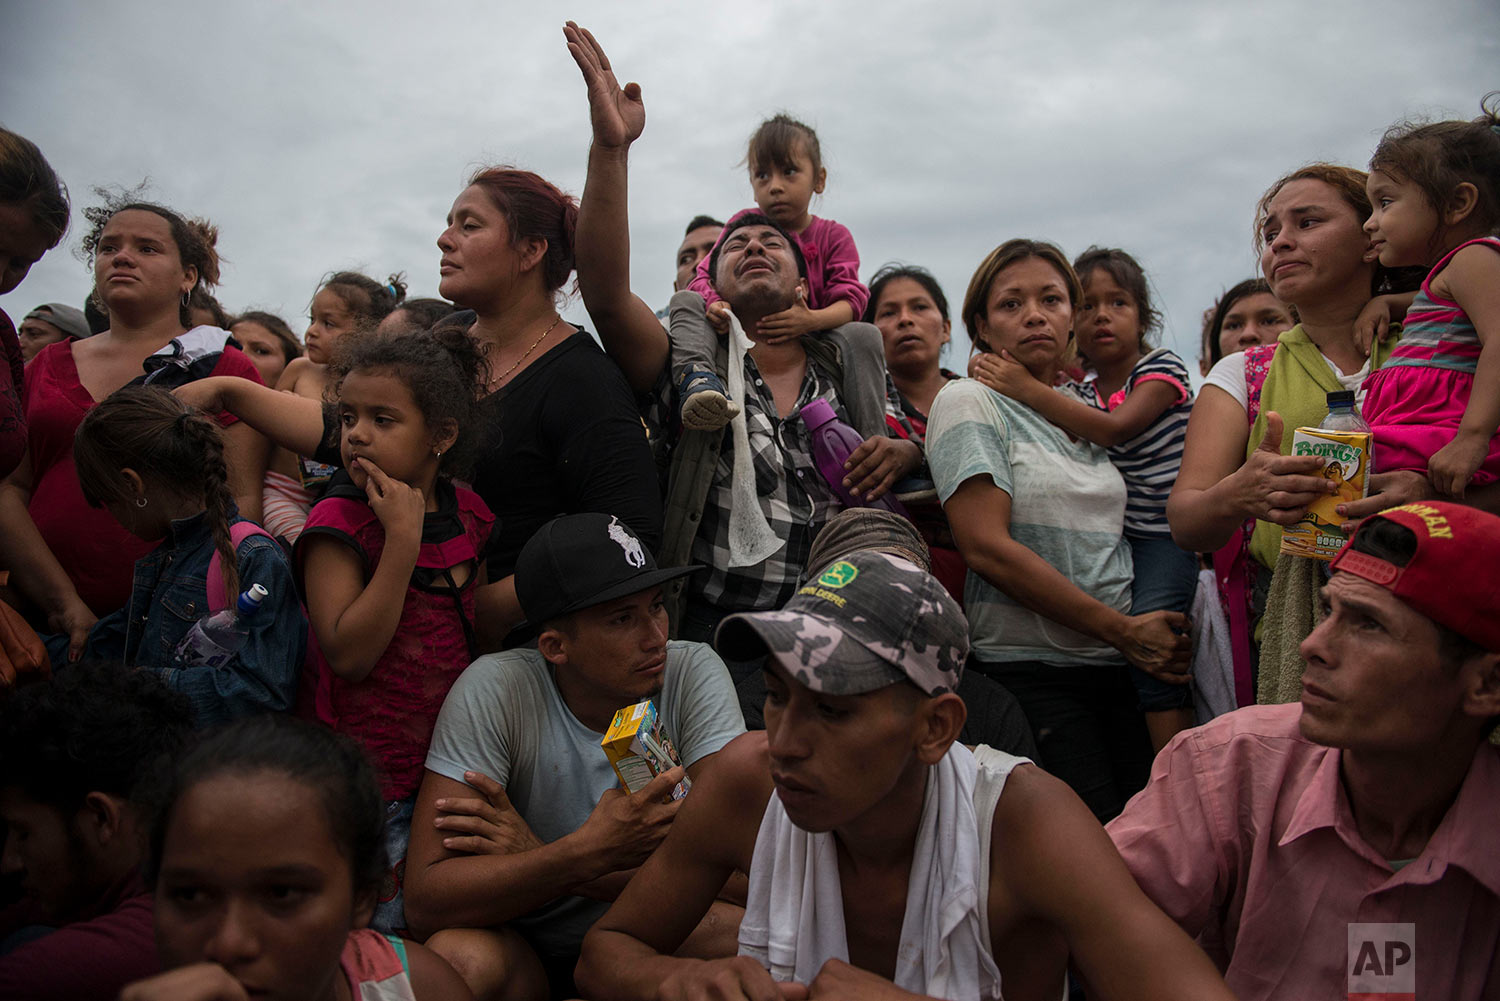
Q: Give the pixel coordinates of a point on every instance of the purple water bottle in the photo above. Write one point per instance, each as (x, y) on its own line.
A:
(833, 442)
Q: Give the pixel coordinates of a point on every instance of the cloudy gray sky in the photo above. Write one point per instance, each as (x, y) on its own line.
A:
(322, 136)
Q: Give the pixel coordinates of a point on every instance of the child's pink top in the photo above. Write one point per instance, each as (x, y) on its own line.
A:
(832, 265)
(393, 710)
(1416, 401)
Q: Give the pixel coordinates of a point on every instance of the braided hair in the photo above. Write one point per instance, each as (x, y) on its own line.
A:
(171, 446)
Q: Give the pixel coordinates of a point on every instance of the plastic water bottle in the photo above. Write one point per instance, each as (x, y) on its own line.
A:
(213, 642)
(1343, 415)
(833, 442)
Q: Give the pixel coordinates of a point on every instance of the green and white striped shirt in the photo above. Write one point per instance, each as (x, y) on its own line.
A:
(1067, 506)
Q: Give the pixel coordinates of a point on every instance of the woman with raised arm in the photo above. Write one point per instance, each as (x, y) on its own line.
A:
(75, 562)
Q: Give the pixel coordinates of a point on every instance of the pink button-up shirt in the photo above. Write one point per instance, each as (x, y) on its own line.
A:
(1245, 836)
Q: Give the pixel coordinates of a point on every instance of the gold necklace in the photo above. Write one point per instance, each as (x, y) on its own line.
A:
(495, 382)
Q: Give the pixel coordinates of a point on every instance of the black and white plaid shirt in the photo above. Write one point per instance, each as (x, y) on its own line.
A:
(794, 497)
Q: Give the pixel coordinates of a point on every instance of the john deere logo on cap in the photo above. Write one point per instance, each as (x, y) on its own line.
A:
(838, 575)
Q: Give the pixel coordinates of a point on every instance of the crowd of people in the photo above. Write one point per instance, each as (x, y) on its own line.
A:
(1014, 692)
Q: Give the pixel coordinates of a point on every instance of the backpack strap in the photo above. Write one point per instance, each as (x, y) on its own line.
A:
(238, 533)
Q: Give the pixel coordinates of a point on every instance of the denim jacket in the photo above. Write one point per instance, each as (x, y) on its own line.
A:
(169, 594)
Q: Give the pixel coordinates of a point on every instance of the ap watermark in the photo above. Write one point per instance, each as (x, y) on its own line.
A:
(1382, 962)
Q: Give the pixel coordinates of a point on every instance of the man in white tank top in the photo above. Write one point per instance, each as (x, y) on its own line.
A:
(891, 861)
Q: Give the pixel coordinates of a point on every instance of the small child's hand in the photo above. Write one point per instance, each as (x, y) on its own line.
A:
(1372, 324)
(1003, 374)
(399, 506)
(718, 316)
(790, 323)
(1452, 466)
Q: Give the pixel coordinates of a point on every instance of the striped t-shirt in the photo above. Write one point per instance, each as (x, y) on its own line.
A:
(1150, 461)
(1437, 333)
(1067, 506)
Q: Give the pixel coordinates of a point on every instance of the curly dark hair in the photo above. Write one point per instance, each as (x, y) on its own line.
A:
(330, 763)
(195, 239)
(96, 726)
(444, 368)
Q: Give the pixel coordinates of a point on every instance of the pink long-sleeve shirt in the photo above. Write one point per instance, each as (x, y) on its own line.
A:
(1246, 838)
(832, 265)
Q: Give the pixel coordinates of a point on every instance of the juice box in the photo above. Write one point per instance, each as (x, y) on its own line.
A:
(639, 748)
(1346, 461)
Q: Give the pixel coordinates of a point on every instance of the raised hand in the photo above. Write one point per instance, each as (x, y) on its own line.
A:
(617, 115)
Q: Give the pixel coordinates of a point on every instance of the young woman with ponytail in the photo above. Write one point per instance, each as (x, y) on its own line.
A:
(157, 466)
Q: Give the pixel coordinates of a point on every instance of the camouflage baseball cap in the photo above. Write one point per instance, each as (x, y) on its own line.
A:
(865, 622)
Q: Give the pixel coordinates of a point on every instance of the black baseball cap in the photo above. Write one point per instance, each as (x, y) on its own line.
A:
(581, 560)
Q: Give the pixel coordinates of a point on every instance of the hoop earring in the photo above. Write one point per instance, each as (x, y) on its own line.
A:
(187, 299)
(140, 502)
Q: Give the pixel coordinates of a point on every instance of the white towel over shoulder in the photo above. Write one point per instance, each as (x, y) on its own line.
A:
(750, 537)
(794, 918)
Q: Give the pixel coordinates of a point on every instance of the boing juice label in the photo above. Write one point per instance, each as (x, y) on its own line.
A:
(1346, 462)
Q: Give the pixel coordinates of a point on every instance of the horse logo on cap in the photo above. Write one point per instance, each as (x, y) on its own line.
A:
(634, 554)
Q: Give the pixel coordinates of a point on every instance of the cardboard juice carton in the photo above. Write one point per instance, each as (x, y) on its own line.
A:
(639, 749)
(1346, 461)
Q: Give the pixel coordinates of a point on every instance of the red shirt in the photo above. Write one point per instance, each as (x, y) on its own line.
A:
(95, 550)
(1245, 837)
(392, 711)
(88, 959)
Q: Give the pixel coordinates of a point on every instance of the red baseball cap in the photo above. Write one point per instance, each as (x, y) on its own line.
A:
(1450, 578)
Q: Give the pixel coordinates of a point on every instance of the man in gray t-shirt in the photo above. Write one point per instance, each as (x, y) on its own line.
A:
(519, 872)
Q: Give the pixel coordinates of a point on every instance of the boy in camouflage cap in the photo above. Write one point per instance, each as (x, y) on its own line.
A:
(858, 791)
(902, 626)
